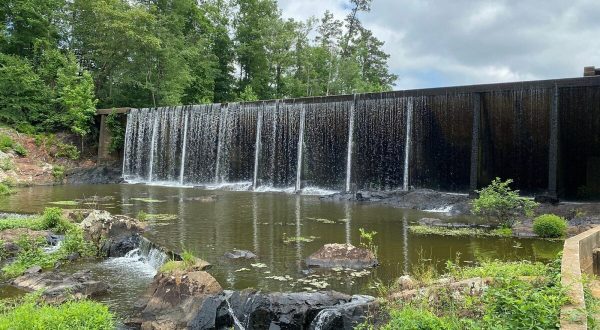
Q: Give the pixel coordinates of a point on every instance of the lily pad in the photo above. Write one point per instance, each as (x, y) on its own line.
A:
(321, 220)
(161, 217)
(302, 239)
(147, 200)
(259, 265)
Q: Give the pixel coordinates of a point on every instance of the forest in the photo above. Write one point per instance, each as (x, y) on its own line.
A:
(62, 59)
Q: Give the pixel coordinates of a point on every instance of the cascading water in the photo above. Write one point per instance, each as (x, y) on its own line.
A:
(377, 141)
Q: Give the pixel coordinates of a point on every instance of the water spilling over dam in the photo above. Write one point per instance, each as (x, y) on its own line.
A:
(543, 134)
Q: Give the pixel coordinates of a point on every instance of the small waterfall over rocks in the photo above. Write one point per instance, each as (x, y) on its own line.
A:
(151, 256)
(374, 141)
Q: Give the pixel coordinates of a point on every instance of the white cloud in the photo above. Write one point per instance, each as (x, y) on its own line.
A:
(438, 42)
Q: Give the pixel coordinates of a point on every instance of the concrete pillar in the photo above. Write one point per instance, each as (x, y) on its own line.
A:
(553, 146)
(475, 145)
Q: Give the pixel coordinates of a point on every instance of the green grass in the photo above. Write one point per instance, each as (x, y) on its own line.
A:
(459, 232)
(31, 313)
(5, 189)
(34, 223)
(509, 302)
(188, 260)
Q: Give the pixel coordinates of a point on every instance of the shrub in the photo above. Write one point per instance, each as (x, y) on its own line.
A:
(6, 164)
(52, 217)
(6, 143)
(65, 150)
(31, 313)
(500, 202)
(142, 216)
(550, 226)
(5, 190)
(20, 150)
(58, 172)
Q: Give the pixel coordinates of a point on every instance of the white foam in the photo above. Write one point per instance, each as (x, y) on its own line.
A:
(442, 209)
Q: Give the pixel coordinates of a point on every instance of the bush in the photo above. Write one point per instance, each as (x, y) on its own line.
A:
(550, 226)
(52, 217)
(31, 313)
(58, 172)
(6, 164)
(6, 143)
(5, 190)
(499, 201)
(65, 150)
(20, 150)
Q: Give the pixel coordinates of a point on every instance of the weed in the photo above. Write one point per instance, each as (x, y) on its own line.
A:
(366, 240)
(500, 202)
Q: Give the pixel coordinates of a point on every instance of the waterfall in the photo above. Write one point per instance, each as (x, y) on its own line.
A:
(183, 149)
(257, 148)
(409, 115)
(222, 130)
(300, 147)
(153, 146)
(350, 145)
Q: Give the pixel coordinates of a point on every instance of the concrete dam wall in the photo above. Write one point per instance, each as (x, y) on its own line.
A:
(545, 135)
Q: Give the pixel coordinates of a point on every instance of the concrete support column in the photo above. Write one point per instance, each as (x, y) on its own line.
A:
(475, 145)
(553, 146)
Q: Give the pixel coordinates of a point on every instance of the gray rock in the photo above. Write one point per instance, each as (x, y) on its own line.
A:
(240, 254)
(58, 286)
(342, 255)
(33, 270)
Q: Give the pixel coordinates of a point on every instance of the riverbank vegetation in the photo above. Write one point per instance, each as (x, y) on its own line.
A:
(502, 205)
(31, 312)
(31, 250)
(513, 295)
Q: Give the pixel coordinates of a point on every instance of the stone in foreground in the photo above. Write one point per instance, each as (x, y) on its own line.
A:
(57, 286)
(342, 255)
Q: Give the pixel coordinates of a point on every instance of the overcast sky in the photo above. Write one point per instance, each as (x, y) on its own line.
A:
(456, 42)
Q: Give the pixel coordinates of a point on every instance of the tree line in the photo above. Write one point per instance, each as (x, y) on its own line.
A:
(60, 59)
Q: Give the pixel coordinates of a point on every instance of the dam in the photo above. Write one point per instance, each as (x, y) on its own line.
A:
(545, 135)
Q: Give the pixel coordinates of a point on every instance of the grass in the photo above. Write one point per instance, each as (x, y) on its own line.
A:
(298, 239)
(65, 203)
(32, 252)
(8, 144)
(188, 261)
(459, 232)
(32, 313)
(510, 301)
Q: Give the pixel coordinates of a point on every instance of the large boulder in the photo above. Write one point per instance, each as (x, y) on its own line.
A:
(239, 254)
(256, 310)
(173, 299)
(115, 235)
(342, 255)
(57, 286)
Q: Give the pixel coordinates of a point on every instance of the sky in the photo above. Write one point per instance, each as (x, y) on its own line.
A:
(434, 43)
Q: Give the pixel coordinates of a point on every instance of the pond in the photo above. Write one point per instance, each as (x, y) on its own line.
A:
(211, 223)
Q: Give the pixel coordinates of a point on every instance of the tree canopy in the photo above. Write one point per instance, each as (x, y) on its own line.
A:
(59, 59)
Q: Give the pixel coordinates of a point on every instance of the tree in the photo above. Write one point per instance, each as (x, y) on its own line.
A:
(76, 95)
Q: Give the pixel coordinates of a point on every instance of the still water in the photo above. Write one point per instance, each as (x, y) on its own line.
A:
(211, 223)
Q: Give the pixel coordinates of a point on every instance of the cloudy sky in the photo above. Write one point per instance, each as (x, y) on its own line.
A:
(456, 42)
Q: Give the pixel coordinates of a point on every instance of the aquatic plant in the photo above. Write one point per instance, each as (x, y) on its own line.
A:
(142, 216)
(550, 226)
(499, 202)
(366, 240)
(297, 239)
(459, 232)
(64, 203)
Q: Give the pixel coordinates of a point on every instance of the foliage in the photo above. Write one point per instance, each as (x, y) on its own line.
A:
(31, 312)
(116, 126)
(34, 223)
(459, 232)
(6, 143)
(58, 172)
(188, 261)
(6, 164)
(550, 226)
(499, 201)
(5, 190)
(411, 318)
(142, 216)
(366, 240)
(519, 295)
(51, 217)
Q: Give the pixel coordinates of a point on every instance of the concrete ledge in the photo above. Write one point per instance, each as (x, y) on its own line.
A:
(577, 259)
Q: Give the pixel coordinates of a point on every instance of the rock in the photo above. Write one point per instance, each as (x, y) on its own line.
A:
(405, 282)
(346, 315)
(33, 270)
(546, 199)
(173, 299)
(101, 174)
(256, 310)
(240, 254)
(76, 215)
(342, 255)
(472, 287)
(114, 235)
(58, 286)
(73, 256)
